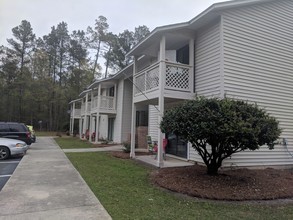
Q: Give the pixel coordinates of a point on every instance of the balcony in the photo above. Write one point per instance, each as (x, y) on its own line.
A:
(178, 81)
(76, 113)
(85, 111)
(107, 105)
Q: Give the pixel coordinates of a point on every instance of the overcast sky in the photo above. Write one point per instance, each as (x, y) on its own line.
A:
(79, 14)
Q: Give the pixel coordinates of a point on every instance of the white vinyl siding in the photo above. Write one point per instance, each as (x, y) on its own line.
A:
(207, 62)
(207, 69)
(103, 127)
(258, 67)
(153, 122)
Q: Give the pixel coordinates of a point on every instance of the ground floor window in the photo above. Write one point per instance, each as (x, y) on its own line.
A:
(110, 128)
(176, 146)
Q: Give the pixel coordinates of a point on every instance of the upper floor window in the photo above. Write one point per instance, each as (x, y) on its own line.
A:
(112, 91)
(182, 55)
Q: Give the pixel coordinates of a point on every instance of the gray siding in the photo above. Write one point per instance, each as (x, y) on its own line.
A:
(207, 62)
(258, 67)
(126, 112)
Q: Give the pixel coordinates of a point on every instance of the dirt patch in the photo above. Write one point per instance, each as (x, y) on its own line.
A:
(236, 185)
(103, 145)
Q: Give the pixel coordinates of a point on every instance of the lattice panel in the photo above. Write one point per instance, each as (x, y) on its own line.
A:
(177, 77)
(152, 79)
(107, 102)
(140, 84)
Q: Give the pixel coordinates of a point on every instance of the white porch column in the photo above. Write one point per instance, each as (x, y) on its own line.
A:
(191, 63)
(80, 127)
(162, 78)
(72, 118)
(98, 113)
(115, 96)
(91, 117)
(133, 116)
(85, 121)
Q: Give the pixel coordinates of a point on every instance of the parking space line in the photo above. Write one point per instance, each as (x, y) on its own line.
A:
(5, 176)
(10, 162)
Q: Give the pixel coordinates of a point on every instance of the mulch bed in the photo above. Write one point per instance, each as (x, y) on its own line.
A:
(229, 185)
(103, 145)
(236, 185)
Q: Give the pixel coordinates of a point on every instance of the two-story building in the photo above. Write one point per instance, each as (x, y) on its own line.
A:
(240, 49)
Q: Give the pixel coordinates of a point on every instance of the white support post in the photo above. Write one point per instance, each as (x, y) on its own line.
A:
(115, 96)
(91, 117)
(162, 79)
(133, 117)
(98, 113)
(85, 115)
(72, 119)
(80, 128)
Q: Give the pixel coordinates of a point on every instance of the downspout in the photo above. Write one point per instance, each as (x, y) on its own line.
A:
(222, 79)
(192, 77)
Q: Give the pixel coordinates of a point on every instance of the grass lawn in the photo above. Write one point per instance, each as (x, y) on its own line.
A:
(123, 188)
(68, 142)
(46, 133)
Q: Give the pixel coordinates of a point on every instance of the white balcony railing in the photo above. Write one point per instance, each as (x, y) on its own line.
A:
(178, 77)
(76, 113)
(83, 108)
(147, 80)
(107, 103)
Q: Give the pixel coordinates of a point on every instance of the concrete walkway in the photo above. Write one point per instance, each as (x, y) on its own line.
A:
(45, 185)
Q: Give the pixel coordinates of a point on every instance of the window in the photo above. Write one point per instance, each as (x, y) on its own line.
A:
(4, 128)
(183, 55)
(111, 91)
(16, 128)
(141, 118)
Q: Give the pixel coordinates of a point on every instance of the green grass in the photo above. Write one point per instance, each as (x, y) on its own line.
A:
(45, 133)
(67, 142)
(123, 187)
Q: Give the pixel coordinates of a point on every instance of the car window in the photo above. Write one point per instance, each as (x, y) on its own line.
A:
(4, 128)
(16, 128)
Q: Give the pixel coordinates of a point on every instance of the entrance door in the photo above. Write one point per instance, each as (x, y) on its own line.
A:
(110, 129)
(176, 146)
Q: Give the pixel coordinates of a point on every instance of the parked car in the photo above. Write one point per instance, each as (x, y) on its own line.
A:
(15, 130)
(10, 147)
(33, 134)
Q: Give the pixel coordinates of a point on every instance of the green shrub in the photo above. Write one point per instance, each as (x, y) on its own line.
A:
(126, 147)
(219, 128)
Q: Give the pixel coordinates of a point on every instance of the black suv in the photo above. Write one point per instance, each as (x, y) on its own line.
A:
(15, 130)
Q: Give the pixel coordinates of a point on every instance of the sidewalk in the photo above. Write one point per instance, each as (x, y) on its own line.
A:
(45, 185)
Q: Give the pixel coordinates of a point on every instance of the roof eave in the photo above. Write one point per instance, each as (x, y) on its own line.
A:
(213, 8)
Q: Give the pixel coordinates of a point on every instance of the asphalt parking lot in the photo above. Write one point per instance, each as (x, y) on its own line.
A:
(7, 168)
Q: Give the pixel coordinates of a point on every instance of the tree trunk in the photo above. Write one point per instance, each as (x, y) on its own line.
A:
(97, 57)
(212, 169)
